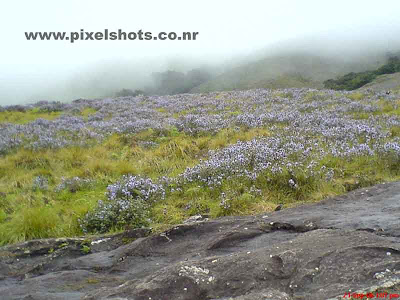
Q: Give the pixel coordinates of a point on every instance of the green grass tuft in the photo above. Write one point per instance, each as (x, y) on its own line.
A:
(26, 117)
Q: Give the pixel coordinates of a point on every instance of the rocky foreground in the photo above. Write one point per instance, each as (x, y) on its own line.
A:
(318, 251)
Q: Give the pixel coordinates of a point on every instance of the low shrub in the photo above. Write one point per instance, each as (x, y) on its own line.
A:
(128, 203)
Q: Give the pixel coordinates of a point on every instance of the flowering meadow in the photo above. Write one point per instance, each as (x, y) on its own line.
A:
(69, 169)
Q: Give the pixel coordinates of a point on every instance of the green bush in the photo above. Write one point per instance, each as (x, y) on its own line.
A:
(116, 214)
(128, 203)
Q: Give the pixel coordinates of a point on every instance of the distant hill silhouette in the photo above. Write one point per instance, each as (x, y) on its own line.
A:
(286, 70)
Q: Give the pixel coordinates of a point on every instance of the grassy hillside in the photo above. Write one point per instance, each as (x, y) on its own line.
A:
(285, 71)
(102, 165)
(384, 83)
(353, 80)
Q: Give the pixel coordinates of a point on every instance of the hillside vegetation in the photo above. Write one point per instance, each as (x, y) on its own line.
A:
(352, 81)
(384, 83)
(291, 70)
(101, 165)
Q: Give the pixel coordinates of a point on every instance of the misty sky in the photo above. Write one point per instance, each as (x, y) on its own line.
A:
(34, 70)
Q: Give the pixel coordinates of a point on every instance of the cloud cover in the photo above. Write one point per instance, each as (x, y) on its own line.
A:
(59, 70)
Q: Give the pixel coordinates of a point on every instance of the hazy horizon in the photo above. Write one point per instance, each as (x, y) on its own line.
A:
(229, 34)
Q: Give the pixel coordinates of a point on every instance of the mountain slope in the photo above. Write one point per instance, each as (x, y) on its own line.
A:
(384, 82)
(285, 70)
